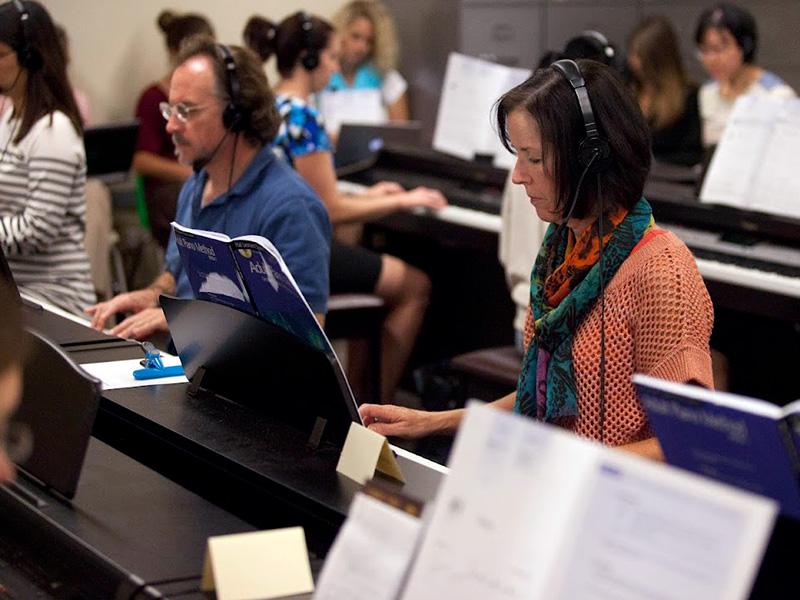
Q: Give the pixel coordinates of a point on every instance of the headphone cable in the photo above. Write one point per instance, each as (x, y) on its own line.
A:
(602, 318)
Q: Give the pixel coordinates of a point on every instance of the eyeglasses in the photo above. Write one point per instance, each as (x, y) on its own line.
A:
(715, 50)
(182, 111)
(17, 440)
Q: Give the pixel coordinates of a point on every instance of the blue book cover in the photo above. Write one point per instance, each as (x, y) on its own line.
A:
(273, 291)
(741, 441)
(211, 268)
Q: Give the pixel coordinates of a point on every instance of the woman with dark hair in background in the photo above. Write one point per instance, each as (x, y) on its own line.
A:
(727, 42)
(587, 333)
(306, 50)
(666, 95)
(42, 162)
(155, 153)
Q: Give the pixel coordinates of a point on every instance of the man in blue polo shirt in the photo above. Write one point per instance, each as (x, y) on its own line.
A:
(222, 117)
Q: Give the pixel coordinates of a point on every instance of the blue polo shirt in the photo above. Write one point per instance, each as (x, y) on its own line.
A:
(270, 200)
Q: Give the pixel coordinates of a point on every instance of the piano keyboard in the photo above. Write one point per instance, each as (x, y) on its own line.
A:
(765, 279)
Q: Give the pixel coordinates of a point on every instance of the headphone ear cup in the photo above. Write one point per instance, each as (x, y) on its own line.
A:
(29, 59)
(232, 119)
(591, 147)
(310, 60)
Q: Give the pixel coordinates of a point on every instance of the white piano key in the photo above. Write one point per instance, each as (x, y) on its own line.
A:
(752, 278)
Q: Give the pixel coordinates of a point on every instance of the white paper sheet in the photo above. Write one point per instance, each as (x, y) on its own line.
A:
(755, 164)
(351, 106)
(371, 553)
(529, 511)
(118, 374)
(464, 122)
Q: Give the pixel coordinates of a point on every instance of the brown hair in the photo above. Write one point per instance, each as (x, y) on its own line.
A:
(655, 44)
(48, 88)
(255, 99)
(550, 100)
(177, 28)
(287, 40)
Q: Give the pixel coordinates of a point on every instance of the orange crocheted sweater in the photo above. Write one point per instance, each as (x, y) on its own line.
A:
(658, 320)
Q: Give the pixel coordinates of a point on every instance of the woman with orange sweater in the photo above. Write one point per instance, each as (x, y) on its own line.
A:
(599, 312)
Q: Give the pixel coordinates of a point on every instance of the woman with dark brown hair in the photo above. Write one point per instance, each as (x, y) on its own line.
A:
(611, 293)
(155, 153)
(42, 162)
(666, 95)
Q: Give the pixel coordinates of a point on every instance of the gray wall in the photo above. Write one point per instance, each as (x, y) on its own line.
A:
(517, 32)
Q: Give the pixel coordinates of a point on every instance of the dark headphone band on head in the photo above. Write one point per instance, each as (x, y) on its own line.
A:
(594, 153)
(233, 117)
(310, 57)
(27, 56)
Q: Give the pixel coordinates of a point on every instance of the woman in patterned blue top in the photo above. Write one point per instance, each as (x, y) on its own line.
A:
(306, 51)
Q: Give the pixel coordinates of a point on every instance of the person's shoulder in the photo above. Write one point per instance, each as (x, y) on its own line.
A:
(57, 131)
(151, 94)
(368, 75)
(296, 111)
(774, 85)
(659, 253)
(282, 181)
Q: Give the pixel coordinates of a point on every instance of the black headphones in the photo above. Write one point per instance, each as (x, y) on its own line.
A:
(233, 117)
(310, 60)
(594, 153)
(28, 57)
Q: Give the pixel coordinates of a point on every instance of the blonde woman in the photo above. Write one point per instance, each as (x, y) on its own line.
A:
(368, 77)
(666, 95)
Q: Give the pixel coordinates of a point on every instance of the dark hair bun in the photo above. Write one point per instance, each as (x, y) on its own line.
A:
(165, 19)
(259, 35)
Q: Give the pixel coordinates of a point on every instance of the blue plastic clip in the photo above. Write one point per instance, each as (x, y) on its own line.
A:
(153, 366)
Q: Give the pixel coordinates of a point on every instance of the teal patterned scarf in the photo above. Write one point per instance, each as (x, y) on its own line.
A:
(565, 282)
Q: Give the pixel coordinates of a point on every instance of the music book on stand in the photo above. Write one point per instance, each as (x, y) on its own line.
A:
(747, 443)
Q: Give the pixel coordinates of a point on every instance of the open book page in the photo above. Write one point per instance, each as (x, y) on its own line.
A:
(649, 531)
(274, 292)
(777, 187)
(740, 441)
(371, 554)
(210, 267)
(740, 152)
(530, 511)
(351, 106)
(464, 120)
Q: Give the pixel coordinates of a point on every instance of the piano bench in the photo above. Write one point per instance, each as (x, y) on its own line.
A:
(489, 372)
(359, 317)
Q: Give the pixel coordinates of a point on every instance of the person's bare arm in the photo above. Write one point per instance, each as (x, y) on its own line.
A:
(132, 302)
(398, 110)
(152, 165)
(399, 421)
(649, 448)
(317, 169)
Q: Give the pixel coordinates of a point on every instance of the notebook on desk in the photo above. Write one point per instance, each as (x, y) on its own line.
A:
(359, 143)
(110, 147)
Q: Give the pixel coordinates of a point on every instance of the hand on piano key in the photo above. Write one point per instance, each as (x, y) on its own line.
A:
(422, 197)
(383, 188)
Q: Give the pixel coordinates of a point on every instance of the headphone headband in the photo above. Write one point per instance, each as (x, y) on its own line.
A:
(233, 118)
(27, 56)
(594, 151)
(310, 59)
